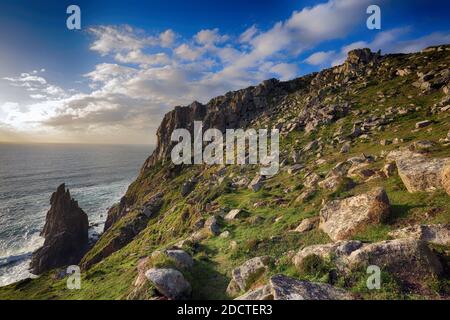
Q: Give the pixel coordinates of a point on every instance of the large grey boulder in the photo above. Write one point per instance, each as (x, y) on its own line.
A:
(409, 258)
(419, 173)
(286, 288)
(435, 233)
(169, 282)
(244, 275)
(281, 287)
(337, 251)
(341, 219)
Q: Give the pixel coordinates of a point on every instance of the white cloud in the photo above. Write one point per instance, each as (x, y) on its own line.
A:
(187, 52)
(320, 58)
(248, 34)
(210, 37)
(167, 38)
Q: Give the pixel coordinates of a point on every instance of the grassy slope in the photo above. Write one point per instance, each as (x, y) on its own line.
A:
(215, 258)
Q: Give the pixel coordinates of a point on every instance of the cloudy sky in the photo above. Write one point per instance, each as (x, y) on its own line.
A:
(133, 61)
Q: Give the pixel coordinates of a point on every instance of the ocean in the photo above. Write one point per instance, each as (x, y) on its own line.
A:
(97, 176)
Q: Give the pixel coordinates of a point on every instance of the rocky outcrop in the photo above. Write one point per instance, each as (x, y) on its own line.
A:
(245, 275)
(337, 251)
(65, 232)
(341, 219)
(169, 282)
(419, 173)
(436, 234)
(405, 258)
(233, 110)
(281, 287)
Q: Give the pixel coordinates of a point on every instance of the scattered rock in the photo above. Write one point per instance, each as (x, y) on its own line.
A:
(247, 274)
(446, 178)
(311, 180)
(170, 283)
(286, 288)
(334, 183)
(345, 147)
(307, 224)
(225, 234)
(418, 173)
(337, 251)
(212, 225)
(406, 258)
(257, 183)
(436, 234)
(235, 214)
(341, 219)
(389, 169)
(423, 124)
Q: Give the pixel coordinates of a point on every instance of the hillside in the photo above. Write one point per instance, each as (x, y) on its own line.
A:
(364, 153)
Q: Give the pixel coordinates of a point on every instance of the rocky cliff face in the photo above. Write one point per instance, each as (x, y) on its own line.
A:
(239, 109)
(65, 232)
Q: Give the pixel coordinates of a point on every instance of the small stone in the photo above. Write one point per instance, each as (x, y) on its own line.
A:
(423, 124)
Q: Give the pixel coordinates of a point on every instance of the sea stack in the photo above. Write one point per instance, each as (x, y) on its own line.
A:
(65, 232)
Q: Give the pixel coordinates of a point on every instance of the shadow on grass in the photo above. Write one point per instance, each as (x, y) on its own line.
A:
(400, 211)
(209, 284)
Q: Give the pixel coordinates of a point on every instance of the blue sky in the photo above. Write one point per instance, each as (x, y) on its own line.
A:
(112, 81)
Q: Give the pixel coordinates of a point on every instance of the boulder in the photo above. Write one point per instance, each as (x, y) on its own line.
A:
(445, 174)
(246, 274)
(281, 287)
(212, 226)
(311, 180)
(65, 232)
(435, 233)
(287, 288)
(389, 169)
(341, 219)
(307, 224)
(419, 173)
(345, 147)
(334, 183)
(257, 183)
(181, 258)
(169, 282)
(235, 214)
(406, 258)
(337, 251)
(423, 124)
